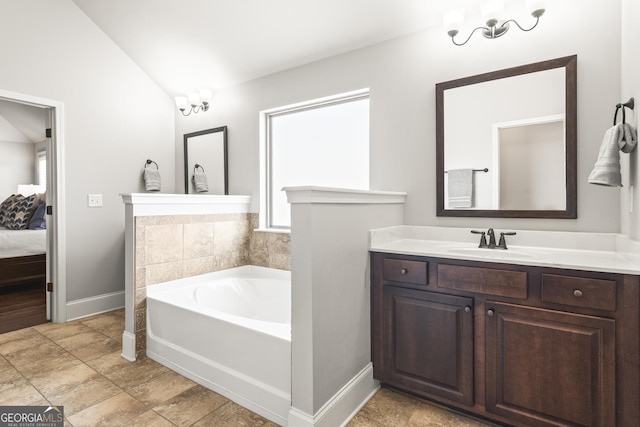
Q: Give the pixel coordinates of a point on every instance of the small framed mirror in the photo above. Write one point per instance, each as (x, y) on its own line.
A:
(206, 162)
(506, 143)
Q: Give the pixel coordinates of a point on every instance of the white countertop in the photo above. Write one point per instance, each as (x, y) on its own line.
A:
(603, 252)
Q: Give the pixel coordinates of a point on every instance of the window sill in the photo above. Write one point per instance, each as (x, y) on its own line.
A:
(273, 230)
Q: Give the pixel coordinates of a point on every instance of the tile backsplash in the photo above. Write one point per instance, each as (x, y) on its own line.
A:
(170, 247)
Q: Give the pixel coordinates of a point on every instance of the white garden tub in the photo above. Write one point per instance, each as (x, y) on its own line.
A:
(229, 331)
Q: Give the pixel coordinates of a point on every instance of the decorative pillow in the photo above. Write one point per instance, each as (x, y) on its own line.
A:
(40, 198)
(37, 221)
(17, 214)
(4, 206)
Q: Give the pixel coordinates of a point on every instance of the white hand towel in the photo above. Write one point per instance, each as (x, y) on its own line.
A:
(200, 181)
(460, 188)
(606, 171)
(152, 179)
(628, 138)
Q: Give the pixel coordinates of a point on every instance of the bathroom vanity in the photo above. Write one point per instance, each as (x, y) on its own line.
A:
(515, 342)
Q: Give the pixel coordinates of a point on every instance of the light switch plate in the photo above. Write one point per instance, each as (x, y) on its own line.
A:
(94, 200)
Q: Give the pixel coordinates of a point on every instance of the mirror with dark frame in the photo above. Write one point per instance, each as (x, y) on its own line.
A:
(206, 162)
(509, 138)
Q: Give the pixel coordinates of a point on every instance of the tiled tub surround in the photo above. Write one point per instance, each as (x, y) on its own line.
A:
(170, 247)
(167, 246)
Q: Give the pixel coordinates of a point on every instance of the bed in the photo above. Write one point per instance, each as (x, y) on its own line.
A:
(23, 240)
(22, 256)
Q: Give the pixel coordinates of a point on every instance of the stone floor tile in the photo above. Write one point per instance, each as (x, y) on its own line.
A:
(161, 388)
(57, 331)
(150, 419)
(389, 408)
(60, 380)
(361, 421)
(428, 415)
(115, 411)
(134, 373)
(89, 345)
(19, 392)
(21, 339)
(84, 395)
(190, 405)
(231, 415)
(109, 362)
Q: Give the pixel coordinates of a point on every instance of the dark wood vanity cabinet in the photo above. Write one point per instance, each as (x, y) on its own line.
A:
(521, 345)
(428, 342)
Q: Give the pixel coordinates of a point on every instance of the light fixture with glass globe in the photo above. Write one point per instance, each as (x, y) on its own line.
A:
(492, 11)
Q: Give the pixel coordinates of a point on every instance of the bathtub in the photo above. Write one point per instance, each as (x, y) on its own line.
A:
(229, 331)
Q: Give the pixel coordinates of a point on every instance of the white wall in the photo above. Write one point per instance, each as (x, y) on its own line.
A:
(16, 167)
(630, 220)
(402, 74)
(115, 118)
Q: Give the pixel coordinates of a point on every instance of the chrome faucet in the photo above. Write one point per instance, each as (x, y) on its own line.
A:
(502, 244)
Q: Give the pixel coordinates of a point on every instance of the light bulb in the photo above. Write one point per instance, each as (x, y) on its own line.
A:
(452, 21)
(194, 99)
(492, 12)
(181, 102)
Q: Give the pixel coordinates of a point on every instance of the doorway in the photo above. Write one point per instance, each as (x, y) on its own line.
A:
(55, 273)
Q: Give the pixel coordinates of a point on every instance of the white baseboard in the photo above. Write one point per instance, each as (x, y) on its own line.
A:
(95, 305)
(343, 406)
(129, 346)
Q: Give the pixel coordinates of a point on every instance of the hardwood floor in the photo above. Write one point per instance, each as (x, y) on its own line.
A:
(22, 306)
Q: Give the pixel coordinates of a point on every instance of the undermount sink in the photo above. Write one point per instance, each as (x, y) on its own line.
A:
(492, 253)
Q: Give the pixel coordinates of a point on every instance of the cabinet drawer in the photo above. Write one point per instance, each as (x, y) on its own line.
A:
(490, 281)
(401, 270)
(579, 291)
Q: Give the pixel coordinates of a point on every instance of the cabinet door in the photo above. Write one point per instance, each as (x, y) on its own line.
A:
(549, 368)
(428, 343)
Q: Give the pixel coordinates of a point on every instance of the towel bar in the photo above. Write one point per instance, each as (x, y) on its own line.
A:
(476, 170)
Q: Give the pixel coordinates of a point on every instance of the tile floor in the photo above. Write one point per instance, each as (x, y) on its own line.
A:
(78, 365)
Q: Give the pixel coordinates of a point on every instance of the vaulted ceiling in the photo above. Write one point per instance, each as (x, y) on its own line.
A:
(192, 44)
(188, 45)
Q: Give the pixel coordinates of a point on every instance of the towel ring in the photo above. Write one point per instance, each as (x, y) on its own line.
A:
(629, 104)
(148, 162)
(196, 167)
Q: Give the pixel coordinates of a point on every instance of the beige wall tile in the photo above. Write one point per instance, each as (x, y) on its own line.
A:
(198, 240)
(228, 236)
(141, 278)
(160, 273)
(194, 267)
(141, 256)
(163, 243)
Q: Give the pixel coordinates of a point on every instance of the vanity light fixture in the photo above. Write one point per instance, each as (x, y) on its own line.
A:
(492, 15)
(196, 102)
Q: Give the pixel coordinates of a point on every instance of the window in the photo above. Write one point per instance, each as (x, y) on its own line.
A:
(322, 143)
(42, 168)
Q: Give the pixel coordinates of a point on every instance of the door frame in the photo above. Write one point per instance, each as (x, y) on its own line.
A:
(56, 236)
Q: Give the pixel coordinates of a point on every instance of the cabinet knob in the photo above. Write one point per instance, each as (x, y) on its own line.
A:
(467, 309)
(490, 313)
(577, 293)
(404, 271)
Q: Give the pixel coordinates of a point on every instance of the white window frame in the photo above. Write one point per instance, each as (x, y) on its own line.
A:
(40, 155)
(265, 147)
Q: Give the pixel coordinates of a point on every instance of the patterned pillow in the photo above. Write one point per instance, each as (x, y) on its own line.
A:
(18, 213)
(4, 207)
(40, 198)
